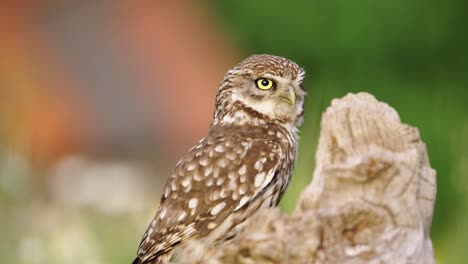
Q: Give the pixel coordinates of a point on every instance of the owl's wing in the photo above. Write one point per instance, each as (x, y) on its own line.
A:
(215, 178)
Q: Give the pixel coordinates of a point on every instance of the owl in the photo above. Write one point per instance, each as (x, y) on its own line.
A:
(244, 163)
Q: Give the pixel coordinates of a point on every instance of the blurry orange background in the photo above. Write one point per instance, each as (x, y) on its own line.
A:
(74, 79)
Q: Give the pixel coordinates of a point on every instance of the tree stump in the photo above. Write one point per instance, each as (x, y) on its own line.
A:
(370, 201)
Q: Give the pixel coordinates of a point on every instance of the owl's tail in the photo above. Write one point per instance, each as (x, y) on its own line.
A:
(151, 261)
(137, 261)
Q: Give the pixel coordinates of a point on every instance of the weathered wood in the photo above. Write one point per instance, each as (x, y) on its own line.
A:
(370, 201)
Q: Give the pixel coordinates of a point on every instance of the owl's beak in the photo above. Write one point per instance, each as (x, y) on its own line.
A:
(289, 97)
(292, 97)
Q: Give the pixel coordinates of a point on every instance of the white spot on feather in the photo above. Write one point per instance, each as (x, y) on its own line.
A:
(216, 172)
(219, 181)
(193, 203)
(231, 155)
(223, 193)
(219, 148)
(203, 161)
(259, 179)
(191, 166)
(243, 201)
(232, 185)
(186, 182)
(228, 119)
(214, 195)
(209, 182)
(222, 162)
(196, 176)
(208, 170)
(269, 177)
(242, 189)
(211, 153)
(218, 208)
(242, 169)
(182, 216)
(232, 175)
(162, 213)
(259, 164)
(243, 178)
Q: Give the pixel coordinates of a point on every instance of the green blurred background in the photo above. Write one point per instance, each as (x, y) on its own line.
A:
(98, 99)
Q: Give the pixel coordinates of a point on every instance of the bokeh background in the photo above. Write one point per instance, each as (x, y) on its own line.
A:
(99, 99)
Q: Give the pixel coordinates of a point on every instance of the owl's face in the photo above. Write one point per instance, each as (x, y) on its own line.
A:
(267, 86)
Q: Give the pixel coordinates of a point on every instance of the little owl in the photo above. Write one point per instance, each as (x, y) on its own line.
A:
(244, 163)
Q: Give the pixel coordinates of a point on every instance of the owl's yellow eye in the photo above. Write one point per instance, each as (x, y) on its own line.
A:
(264, 84)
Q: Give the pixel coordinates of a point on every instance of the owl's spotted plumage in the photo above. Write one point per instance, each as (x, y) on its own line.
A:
(243, 164)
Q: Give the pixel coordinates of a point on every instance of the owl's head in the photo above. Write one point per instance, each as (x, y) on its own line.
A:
(263, 88)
